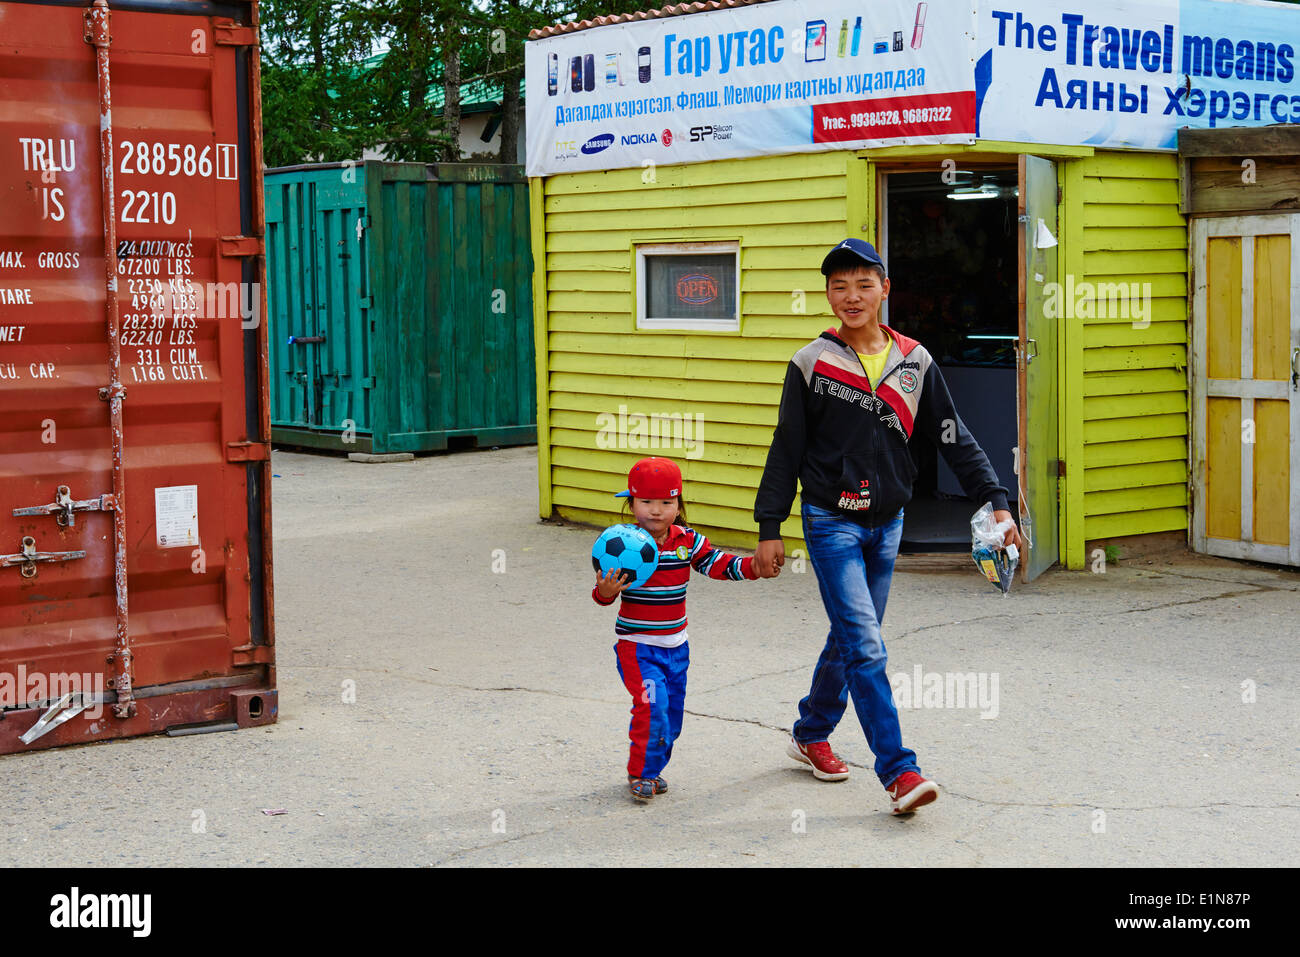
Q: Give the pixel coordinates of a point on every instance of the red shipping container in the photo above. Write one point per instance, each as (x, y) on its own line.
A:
(135, 550)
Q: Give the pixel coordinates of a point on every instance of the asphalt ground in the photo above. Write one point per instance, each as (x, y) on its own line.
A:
(448, 696)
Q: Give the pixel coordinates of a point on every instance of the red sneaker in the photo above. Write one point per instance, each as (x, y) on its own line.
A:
(910, 791)
(819, 756)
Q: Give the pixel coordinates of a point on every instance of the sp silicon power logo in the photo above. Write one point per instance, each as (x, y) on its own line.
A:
(701, 133)
(598, 143)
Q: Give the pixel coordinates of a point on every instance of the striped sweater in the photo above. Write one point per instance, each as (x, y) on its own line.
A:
(655, 613)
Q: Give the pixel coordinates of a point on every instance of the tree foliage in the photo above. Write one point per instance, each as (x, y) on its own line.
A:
(343, 76)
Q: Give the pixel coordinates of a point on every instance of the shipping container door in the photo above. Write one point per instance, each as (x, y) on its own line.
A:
(342, 352)
(291, 298)
(1037, 457)
(483, 299)
(1245, 377)
(191, 551)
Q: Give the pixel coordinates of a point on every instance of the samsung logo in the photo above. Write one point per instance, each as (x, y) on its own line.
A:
(633, 139)
(597, 143)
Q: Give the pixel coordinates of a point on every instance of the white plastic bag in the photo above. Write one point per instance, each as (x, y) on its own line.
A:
(995, 562)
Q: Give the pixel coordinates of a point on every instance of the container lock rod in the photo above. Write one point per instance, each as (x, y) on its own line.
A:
(99, 34)
(29, 556)
(64, 507)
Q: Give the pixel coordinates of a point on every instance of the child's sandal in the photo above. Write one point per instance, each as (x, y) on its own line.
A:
(643, 789)
(661, 786)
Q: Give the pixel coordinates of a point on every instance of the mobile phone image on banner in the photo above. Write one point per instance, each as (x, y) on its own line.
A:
(575, 74)
(814, 48)
(643, 65)
(552, 74)
(589, 72)
(918, 28)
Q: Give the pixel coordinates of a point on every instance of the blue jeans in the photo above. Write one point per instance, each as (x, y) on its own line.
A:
(854, 566)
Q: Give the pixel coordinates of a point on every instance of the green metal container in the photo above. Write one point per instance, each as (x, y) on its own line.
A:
(400, 306)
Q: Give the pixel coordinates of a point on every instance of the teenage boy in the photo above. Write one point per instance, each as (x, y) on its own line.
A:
(852, 400)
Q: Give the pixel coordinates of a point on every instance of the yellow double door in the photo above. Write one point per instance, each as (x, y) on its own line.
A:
(1246, 387)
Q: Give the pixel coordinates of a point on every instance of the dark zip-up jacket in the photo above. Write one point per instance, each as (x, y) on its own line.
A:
(845, 440)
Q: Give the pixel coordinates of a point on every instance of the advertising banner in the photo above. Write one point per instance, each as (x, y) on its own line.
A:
(1130, 73)
(783, 77)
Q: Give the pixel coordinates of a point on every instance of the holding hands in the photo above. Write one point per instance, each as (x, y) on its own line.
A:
(769, 558)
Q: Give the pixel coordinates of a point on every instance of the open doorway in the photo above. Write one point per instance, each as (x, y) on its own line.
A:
(951, 249)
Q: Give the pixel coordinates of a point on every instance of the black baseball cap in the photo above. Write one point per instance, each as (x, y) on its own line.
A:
(851, 253)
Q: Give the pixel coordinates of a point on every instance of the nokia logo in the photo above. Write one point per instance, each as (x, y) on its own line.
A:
(597, 143)
(632, 139)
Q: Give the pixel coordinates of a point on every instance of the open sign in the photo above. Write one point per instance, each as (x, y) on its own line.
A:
(697, 289)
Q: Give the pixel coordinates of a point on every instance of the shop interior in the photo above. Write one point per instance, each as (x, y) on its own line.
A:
(952, 252)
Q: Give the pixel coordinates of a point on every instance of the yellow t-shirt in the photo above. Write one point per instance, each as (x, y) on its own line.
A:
(874, 364)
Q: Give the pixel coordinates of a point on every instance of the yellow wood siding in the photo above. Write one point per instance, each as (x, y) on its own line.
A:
(1123, 385)
(784, 212)
(1134, 434)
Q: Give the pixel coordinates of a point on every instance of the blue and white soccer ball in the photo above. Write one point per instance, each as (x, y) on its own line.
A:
(626, 548)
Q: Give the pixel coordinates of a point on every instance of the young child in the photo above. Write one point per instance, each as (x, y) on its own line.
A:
(852, 400)
(651, 650)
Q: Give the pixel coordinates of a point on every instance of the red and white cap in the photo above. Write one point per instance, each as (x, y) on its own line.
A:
(653, 478)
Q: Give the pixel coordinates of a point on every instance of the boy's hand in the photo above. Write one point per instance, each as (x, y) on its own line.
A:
(769, 558)
(612, 583)
(1012, 536)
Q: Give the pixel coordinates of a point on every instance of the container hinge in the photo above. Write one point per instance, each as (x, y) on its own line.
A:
(1060, 468)
(238, 246)
(63, 508)
(368, 382)
(247, 655)
(247, 451)
(228, 33)
(367, 302)
(29, 556)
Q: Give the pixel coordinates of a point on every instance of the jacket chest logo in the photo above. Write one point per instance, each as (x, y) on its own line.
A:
(841, 390)
(907, 380)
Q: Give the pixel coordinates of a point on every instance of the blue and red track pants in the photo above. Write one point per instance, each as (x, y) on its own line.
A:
(656, 679)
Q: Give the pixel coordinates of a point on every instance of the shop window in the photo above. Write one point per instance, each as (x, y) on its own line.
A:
(688, 286)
